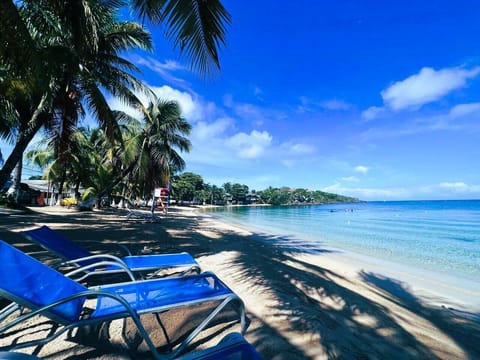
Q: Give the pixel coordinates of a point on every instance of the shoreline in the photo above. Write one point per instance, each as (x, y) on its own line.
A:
(443, 289)
(300, 305)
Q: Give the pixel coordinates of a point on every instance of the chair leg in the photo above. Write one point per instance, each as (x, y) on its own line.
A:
(208, 319)
(8, 310)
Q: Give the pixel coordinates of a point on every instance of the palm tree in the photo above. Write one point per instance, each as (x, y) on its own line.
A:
(196, 27)
(86, 65)
(156, 145)
(49, 51)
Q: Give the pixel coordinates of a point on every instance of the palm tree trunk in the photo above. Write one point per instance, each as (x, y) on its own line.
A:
(16, 155)
(60, 186)
(17, 179)
(25, 135)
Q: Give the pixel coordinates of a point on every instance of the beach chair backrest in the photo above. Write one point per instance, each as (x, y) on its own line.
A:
(32, 284)
(54, 242)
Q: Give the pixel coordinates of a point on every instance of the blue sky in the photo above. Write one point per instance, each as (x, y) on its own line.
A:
(374, 99)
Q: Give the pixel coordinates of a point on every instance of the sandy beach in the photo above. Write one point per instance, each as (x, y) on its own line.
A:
(299, 305)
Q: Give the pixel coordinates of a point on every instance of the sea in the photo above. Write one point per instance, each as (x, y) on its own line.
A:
(440, 237)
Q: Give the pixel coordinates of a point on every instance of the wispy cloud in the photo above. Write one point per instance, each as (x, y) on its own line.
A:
(250, 113)
(464, 110)
(460, 187)
(299, 148)
(308, 105)
(164, 69)
(336, 105)
(458, 118)
(445, 190)
(350, 179)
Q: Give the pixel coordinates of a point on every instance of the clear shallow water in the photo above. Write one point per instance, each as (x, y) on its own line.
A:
(439, 236)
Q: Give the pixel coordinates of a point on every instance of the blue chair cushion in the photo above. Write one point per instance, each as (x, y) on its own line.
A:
(148, 262)
(31, 283)
(53, 241)
(149, 295)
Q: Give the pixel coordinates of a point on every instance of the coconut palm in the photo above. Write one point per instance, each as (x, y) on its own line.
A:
(42, 50)
(154, 150)
(196, 27)
(82, 63)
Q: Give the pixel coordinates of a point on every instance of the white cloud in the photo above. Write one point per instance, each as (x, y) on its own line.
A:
(459, 187)
(192, 109)
(445, 190)
(250, 146)
(362, 169)
(452, 190)
(464, 109)
(369, 193)
(373, 112)
(209, 130)
(350, 179)
(427, 86)
(300, 149)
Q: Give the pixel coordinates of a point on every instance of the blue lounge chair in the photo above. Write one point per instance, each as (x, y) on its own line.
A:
(88, 264)
(28, 283)
(231, 347)
(4, 355)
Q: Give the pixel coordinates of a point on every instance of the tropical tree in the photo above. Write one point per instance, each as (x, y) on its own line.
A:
(49, 52)
(197, 28)
(186, 186)
(154, 150)
(239, 192)
(218, 195)
(80, 47)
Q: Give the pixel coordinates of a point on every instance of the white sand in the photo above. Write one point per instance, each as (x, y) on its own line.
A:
(300, 306)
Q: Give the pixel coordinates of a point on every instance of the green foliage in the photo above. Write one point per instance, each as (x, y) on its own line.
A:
(190, 187)
(287, 196)
(102, 181)
(187, 186)
(238, 192)
(59, 60)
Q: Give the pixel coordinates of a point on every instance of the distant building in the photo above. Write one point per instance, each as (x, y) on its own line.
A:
(43, 192)
(252, 199)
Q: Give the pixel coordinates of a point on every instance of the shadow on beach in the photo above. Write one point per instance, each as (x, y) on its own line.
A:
(312, 312)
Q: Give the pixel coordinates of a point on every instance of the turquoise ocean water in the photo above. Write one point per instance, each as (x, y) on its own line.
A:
(438, 236)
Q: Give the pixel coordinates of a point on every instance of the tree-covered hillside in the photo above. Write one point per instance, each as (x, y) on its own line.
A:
(190, 188)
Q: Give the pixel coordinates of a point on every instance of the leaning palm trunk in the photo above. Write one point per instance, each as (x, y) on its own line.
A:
(14, 191)
(25, 135)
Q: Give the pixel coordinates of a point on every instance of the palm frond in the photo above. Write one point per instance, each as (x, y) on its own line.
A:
(198, 29)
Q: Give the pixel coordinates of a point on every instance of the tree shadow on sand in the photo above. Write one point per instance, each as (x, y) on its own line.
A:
(318, 303)
(342, 322)
(462, 327)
